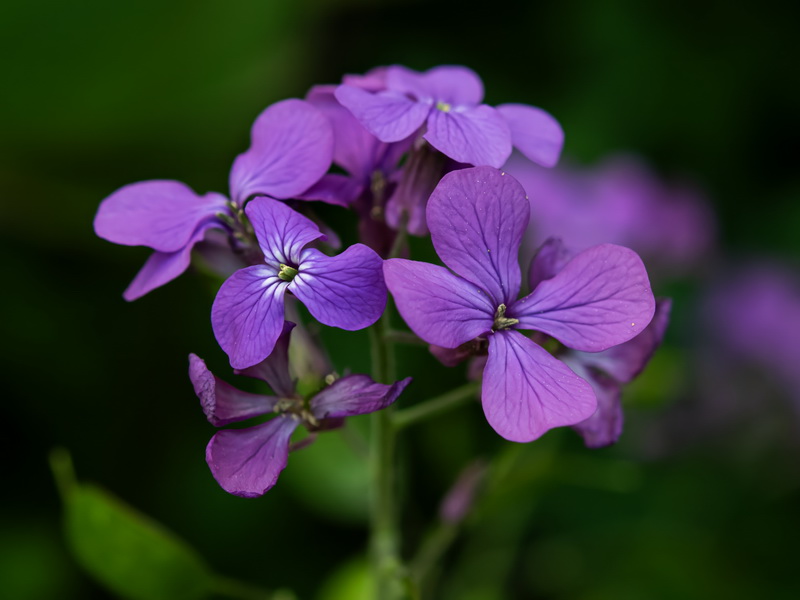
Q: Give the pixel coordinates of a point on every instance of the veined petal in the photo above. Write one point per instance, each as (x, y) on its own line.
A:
(600, 299)
(247, 462)
(222, 403)
(247, 315)
(345, 291)
(291, 148)
(163, 267)
(355, 148)
(625, 361)
(453, 84)
(274, 369)
(389, 116)
(551, 257)
(478, 136)
(355, 395)
(477, 218)
(534, 132)
(333, 188)
(160, 214)
(439, 307)
(604, 427)
(281, 232)
(527, 392)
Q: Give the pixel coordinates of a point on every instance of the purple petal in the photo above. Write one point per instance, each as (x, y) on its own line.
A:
(625, 361)
(355, 148)
(604, 427)
(345, 291)
(282, 232)
(439, 307)
(163, 267)
(477, 218)
(355, 395)
(477, 136)
(291, 148)
(247, 315)
(550, 259)
(418, 178)
(526, 391)
(600, 299)
(274, 369)
(339, 190)
(455, 85)
(389, 116)
(163, 215)
(222, 403)
(247, 462)
(373, 80)
(534, 132)
(450, 357)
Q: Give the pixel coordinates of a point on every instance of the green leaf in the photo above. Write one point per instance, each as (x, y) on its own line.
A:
(126, 551)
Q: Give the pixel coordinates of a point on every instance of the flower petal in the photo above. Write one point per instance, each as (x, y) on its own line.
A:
(389, 116)
(551, 257)
(247, 315)
(477, 218)
(355, 395)
(600, 299)
(477, 136)
(345, 291)
(333, 188)
(163, 215)
(222, 403)
(281, 232)
(274, 369)
(604, 427)
(247, 462)
(453, 84)
(439, 307)
(163, 267)
(625, 361)
(534, 132)
(527, 392)
(291, 148)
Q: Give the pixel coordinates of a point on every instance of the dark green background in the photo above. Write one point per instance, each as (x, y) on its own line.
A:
(96, 95)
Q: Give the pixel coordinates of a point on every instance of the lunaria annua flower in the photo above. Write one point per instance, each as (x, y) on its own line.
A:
(345, 291)
(609, 370)
(447, 100)
(246, 462)
(291, 148)
(601, 298)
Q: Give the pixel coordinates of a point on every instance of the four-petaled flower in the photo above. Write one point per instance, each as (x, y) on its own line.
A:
(291, 148)
(448, 100)
(246, 462)
(345, 291)
(601, 298)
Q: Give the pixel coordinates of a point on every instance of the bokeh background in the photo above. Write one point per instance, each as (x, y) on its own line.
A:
(700, 498)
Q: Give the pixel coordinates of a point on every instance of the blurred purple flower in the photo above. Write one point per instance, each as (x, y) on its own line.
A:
(247, 462)
(447, 100)
(345, 291)
(755, 315)
(601, 298)
(291, 148)
(619, 201)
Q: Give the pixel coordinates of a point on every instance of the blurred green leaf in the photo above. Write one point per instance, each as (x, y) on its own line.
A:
(126, 551)
(351, 581)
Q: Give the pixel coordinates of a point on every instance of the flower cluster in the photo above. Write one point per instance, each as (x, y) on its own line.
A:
(412, 153)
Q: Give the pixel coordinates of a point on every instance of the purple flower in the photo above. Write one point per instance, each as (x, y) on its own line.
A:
(621, 201)
(447, 100)
(246, 462)
(291, 148)
(601, 298)
(345, 291)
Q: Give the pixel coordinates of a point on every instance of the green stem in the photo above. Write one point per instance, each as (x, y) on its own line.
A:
(403, 337)
(435, 406)
(384, 543)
